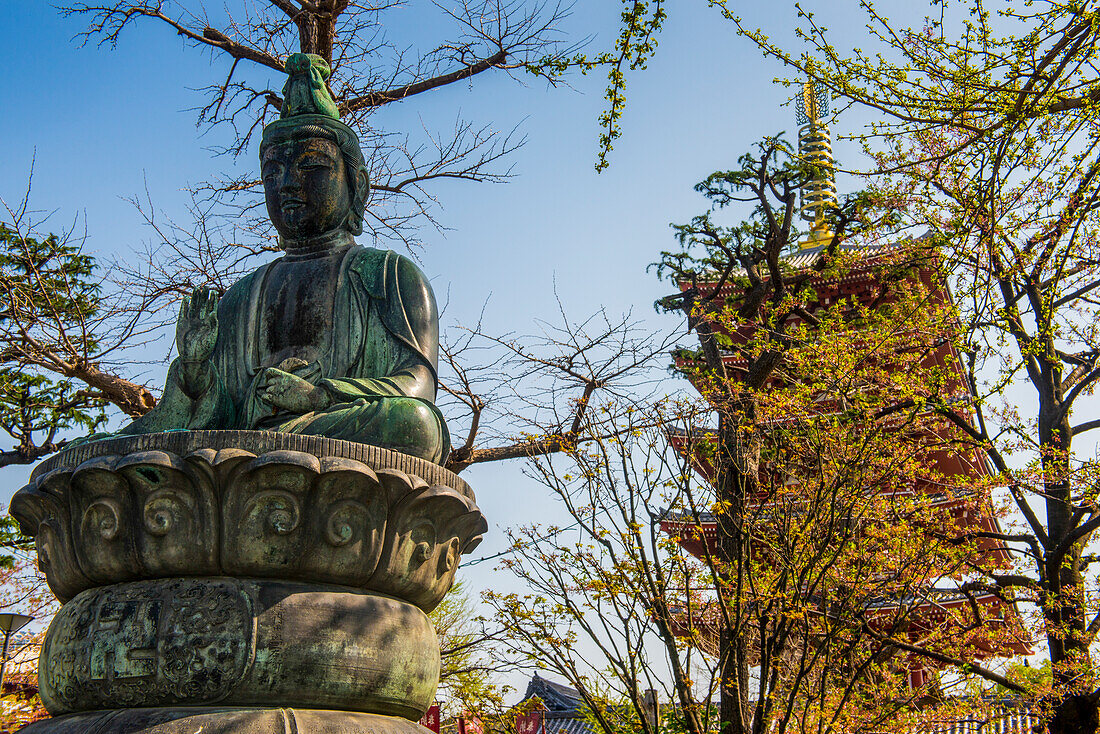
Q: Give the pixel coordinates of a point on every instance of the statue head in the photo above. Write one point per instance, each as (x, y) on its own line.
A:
(314, 174)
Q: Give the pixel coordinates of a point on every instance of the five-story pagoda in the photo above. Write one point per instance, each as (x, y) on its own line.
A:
(883, 303)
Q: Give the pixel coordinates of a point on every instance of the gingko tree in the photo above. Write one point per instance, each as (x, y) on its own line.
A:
(805, 607)
(617, 605)
(985, 137)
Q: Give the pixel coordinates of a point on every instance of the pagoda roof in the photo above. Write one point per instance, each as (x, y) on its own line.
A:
(927, 609)
(803, 259)
(698, 534)
(557, 697)
(682, 441)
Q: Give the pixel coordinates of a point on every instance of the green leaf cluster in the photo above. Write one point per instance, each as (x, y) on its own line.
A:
(49, 299)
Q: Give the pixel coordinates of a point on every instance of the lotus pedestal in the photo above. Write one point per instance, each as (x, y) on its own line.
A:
(242, 582)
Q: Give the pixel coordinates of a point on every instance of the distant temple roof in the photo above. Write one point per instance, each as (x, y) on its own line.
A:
(564, 707)
(566, 724)
(556, 696)
(803, 259)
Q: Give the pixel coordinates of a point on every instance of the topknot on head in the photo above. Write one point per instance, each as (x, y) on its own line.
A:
(301, 63)
(305, 92)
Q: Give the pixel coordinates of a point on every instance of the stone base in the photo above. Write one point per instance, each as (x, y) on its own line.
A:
(224, 721)
(248, 504)
(238, 642)
(276, 577)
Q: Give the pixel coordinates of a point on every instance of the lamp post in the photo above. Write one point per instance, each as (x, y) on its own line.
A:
(9, 624)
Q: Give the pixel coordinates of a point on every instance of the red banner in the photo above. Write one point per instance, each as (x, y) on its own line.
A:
(529, 723)
(469, 725)
(430, 720)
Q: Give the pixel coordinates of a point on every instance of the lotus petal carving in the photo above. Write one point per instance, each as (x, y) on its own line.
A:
(108, 515)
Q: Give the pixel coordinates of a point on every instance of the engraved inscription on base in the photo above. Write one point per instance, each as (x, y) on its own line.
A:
(124, 640)
(176, 641)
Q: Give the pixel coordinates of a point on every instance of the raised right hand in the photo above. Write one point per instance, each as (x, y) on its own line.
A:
(196, 334)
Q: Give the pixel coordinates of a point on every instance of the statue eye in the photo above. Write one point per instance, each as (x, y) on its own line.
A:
(313, 164)
(270, 170)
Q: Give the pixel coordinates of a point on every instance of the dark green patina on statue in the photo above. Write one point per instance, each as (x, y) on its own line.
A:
(259, 553)
(332, 339)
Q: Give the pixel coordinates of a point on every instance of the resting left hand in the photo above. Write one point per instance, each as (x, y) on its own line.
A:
(291, 393)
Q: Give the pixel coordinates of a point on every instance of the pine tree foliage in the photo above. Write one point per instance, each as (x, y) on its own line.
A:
(50, 297)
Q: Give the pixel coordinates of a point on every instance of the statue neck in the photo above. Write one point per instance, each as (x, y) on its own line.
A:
(318, 246)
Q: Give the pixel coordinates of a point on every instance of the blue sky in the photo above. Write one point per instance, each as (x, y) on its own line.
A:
(103, 125)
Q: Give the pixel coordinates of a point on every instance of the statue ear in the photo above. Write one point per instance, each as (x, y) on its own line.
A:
(362, 183)
(359, 186)
(449, 558)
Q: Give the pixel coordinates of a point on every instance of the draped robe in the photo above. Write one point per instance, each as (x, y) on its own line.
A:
(377, 363)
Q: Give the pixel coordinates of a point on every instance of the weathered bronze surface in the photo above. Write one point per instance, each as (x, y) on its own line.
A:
(250, 504)
(194, 642)
(332, 339)
(257, 554)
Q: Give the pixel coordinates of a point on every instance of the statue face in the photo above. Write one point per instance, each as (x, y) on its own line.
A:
(306, 187)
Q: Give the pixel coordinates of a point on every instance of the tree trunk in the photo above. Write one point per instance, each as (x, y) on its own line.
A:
(1073, 702)
(316, 32)
(732, 704)
(738, 459)
(1074, 714)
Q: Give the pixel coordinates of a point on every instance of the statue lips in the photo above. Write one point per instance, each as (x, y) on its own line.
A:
(294, 212)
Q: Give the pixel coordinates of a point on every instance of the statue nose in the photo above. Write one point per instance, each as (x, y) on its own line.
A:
(291, 181)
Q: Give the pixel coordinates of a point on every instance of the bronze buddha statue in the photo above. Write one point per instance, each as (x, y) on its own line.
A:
(332, 339)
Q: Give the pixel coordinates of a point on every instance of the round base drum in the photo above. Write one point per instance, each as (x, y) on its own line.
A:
(242, 642)
(224, 721)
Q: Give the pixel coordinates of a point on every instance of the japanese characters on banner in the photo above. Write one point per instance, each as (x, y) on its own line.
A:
(430, 720)
(530, 723)
(469, 725)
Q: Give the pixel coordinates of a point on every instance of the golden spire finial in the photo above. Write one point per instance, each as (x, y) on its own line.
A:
(815, 146)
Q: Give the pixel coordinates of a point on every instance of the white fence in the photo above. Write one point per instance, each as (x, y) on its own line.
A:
(996, 720)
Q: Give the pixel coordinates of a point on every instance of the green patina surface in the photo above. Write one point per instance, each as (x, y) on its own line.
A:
(332, 339)
(246, 557)
(239, 642)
